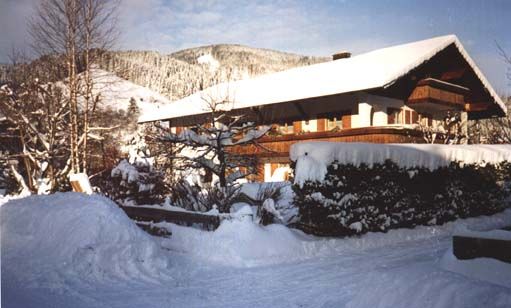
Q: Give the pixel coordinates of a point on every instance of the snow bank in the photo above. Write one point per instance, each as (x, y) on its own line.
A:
(312, 158)
(50, 244)
(242, 243)
(69, 236)
(424, 285)
(486, 269)
(239, 243)
(493, 234)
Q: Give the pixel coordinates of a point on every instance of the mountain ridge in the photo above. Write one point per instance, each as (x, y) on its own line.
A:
(182, 73)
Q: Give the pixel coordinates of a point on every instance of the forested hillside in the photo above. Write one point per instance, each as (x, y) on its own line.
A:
(184, 72)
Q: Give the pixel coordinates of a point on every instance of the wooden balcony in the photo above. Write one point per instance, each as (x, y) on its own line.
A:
(276, 148)
(433, 95)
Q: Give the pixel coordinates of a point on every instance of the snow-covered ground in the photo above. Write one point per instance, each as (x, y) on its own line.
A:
(115, 93)
(71, 250)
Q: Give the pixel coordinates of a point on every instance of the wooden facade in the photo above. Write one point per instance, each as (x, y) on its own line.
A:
(276, 148)
(432, 95)
(273, 151)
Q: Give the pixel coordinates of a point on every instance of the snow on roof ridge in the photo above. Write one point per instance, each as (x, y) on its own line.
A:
(387, 64)
(446, 40)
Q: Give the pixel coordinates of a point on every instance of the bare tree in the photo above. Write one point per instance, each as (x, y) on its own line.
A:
(448, 131)
(210, 146)
(76, 29)
(99, 32)
(492, 131)
(495, 130)
(48, 117)
(37, 113)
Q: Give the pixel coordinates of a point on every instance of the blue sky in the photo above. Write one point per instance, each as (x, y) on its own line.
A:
(319, 27)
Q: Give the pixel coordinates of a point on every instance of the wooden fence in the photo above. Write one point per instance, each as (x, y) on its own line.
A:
(465, 247)
(144, 216)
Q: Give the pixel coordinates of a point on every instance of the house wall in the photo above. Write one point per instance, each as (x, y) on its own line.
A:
(372, 110)
(365, 118)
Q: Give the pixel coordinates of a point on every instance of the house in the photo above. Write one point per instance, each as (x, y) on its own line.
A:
(382, 96)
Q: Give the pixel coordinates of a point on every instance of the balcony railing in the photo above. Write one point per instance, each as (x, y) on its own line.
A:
(433, 95)
(277, 146)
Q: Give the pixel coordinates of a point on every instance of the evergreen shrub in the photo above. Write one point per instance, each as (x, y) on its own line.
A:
(358, 199)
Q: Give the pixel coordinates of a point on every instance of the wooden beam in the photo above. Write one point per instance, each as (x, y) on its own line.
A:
(346, 121)
(297, 127)
(257, 111)
(465, 247)
(476, 107)
(279, 146)
(157, 215)
(453, 74)
(321, 126)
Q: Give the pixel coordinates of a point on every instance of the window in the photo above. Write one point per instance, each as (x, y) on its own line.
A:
(411, 117)
(408, 116)
(402, 116)
(334, 123)
(338, 120)
(415, 117)
(426, 120)
(394, 116)
(286, 128)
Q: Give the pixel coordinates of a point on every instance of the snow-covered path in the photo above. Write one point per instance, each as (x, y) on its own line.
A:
(404, 275)
(327, 281)
(402, 268)
(392, 277)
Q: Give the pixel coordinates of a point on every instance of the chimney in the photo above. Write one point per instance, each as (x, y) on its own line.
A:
(341, 55)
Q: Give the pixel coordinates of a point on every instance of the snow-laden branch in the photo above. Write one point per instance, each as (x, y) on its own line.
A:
(210, 145)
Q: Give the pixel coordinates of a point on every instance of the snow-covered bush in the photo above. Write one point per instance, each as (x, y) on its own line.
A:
(354, 199)
(350, 188)
(272, 202)
(8, 184)
(194, 197)
(132, 184)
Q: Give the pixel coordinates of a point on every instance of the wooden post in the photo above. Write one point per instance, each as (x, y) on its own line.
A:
(80, 183)
(464, 126)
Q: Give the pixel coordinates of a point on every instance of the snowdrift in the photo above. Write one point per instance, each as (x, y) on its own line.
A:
(72, 250)
(312, 158)
(242, 243)
(239, 243)
(65, 236)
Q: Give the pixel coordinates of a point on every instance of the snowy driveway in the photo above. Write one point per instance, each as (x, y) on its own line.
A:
(402, 275)
(244, 265)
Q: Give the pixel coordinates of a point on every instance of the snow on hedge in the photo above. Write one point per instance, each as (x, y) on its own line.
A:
(312, 158)
(73, 236)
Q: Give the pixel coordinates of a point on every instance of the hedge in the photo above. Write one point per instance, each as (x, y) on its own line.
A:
(358, 199)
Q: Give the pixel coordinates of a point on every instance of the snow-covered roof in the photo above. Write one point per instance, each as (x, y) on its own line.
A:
(375, 69)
